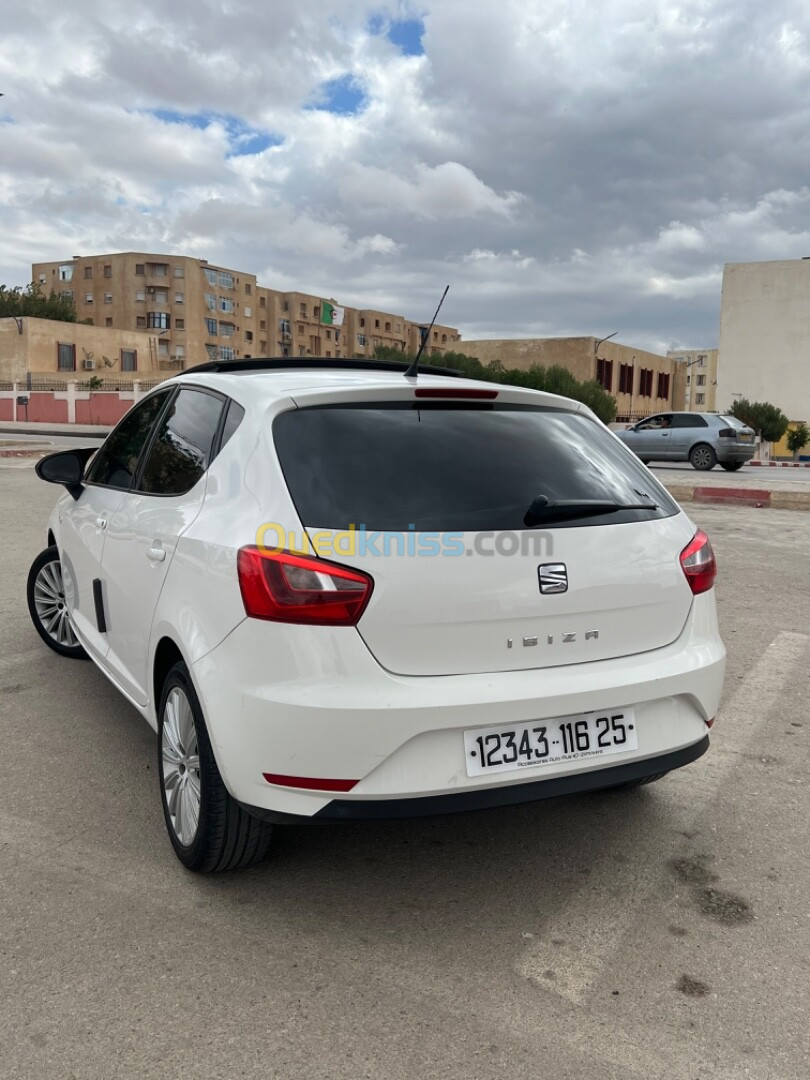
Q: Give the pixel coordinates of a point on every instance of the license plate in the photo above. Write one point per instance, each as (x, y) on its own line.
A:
(544, 742)
(746, 438)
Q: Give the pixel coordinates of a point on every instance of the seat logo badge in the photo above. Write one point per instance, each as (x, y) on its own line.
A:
(553, 578)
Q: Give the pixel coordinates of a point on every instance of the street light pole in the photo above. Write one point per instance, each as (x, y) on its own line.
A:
(601, 341)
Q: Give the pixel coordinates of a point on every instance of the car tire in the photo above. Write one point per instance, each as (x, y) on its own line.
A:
(702, 457)
(46, 605)
(208, 829)
(732, 466)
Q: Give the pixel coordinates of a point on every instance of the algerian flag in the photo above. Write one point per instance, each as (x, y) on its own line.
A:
(331, 315)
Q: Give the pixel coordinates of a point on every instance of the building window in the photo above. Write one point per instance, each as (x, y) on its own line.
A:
(701, 380)
(226, 329)
(300, 329)
(107, 270)
(225, 281)
(178, 271)
(377, 325)
(210, 301)
(263, 302)
(388, 330)
(180, 351)
(179, 324)
(158, 320)
(361, 339)
(212, 351)
(211, 327)
(140, 296)
(303, 311)
(700, 399)
(247, 289)
(286, 305)
(263, 324)
(66, 357)
(88, 298)
(663, 384)
(66, 294)
(248, 335)
(645, 382)
(226, 352)
(283, 325)
(362, 320)
(247, 312)
(625, 378)
(178, 298)
(108, 321)
(140, 322)
(158, 296)
(66, 272)
(129, 360)
(88, 271)
(42, 279)
(140, 269)
(604, 374)
(263, 348)
(158, 269)
(302, 350)
(328, 335)
(225, 304)
(702, 361)
(107, 297)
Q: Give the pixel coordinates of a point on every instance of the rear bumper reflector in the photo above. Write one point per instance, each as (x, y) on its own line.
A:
(311, 783)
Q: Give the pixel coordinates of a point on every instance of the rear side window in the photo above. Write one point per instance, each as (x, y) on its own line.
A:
(181, 450)
(442, 467)
(117, 460)
(682, 421)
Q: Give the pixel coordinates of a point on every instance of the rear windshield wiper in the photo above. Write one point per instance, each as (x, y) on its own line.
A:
(543, 509)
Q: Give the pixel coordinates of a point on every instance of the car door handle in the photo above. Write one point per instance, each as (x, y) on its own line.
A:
(101, 523)
(156, 554)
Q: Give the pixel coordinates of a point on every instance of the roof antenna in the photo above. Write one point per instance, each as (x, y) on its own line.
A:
(413, 369)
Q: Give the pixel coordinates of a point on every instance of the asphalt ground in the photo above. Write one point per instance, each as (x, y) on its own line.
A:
(658, 933)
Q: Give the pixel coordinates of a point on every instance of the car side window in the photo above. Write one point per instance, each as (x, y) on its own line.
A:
(652, 423)
(117, 460)
(689, 421)
(232, 422)
(181, 450)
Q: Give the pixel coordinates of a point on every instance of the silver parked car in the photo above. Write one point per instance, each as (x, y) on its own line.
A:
(703, 439)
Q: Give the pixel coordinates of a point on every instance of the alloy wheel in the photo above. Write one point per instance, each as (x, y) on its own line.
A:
(49, 601)
(180, 759)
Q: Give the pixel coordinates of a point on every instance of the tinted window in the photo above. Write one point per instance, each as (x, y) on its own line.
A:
(117, 460)
(683, 420)
(441, 468)
(181, 450)
(232, 422)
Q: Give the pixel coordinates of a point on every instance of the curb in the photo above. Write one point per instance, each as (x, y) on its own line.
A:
(781, 464)
(761, 498)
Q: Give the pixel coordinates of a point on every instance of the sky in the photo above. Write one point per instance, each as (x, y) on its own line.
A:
(568, 167)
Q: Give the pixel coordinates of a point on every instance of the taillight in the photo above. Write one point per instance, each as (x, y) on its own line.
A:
(285, 587)
(728, 433)
(697, 560)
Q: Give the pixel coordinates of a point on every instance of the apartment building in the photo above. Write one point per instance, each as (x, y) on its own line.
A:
(199, 311)
(701, 378)
(642, 382)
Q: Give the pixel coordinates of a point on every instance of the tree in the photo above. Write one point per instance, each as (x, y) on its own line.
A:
(798, 438)
(554, 380)
(766, 419)
(31, 302)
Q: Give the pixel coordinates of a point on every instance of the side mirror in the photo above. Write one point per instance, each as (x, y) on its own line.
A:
(66, 467)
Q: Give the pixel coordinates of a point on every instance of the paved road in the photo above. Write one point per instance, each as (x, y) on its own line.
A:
(663, 933)
(757, 476)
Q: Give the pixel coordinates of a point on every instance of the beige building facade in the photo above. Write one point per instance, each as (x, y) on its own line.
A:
(199, 311)
(765, 335)
(74, 352)
(701, 378)
(642, 382)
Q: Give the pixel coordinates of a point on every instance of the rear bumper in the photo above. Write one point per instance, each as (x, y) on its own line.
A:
(735, 453)
(312, 702)
(489, 798)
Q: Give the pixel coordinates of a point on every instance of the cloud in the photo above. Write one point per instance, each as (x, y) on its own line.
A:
(567, 167)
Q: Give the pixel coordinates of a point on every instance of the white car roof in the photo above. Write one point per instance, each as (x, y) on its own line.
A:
(260, 387)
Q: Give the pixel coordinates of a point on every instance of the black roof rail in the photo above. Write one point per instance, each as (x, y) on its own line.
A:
(312, 363)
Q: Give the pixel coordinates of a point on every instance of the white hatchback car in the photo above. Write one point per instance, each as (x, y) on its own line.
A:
(339, 592)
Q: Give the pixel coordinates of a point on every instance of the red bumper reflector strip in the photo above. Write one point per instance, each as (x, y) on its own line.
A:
(311, 783)
(710, 723)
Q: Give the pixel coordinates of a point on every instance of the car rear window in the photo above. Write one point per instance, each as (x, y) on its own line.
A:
(442, 467)
(732, 421)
